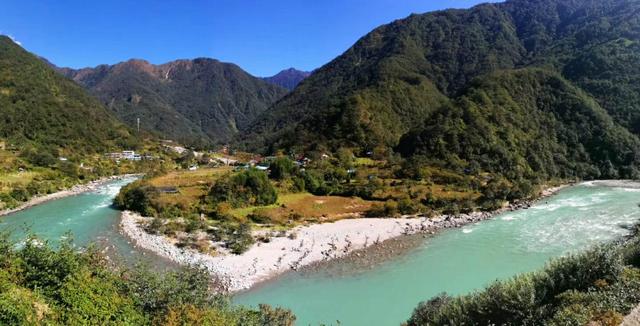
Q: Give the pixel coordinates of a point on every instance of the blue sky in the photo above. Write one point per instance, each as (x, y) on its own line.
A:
(261, 36)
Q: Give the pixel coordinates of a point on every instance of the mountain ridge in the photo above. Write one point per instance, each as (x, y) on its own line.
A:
(43, 109)
(288, 78)
(399, 77)
(198, 101)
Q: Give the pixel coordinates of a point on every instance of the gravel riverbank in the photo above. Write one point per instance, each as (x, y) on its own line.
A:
(311, 244)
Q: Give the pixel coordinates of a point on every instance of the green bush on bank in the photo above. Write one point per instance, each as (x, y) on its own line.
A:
(247, 188)
(43, 286)
(137, 196)
(599, 285)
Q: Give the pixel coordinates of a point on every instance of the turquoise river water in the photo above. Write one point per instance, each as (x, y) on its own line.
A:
(456, 261)
(89, 217)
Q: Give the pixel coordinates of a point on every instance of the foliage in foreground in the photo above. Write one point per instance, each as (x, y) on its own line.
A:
(601, 286)
(43, 286)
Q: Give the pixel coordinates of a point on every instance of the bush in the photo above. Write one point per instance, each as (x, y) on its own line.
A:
(138, 197)
(40, 157)
(388, 209)
(247, 188)
(281, 168)
(240, 238)
(20, 194)
(85, 297)
(260, 216)
(42, 286)
(551, 296)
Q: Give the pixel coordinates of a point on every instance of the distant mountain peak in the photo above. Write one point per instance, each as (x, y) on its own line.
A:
(199, 101)
(288, 78)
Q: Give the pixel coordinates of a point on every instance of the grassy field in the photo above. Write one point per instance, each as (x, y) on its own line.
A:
(305, 207)
(192, 186)
(294, 208)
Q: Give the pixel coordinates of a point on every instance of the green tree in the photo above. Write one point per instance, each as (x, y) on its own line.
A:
(250, 187)
(281, 168)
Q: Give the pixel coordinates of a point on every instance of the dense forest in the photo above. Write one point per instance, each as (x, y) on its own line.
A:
(529, 124)
(422, 84)
(40, 108)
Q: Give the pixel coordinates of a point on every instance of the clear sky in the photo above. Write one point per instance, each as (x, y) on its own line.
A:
(261, 36)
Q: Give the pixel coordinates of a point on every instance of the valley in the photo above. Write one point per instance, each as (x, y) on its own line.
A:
(468, 166)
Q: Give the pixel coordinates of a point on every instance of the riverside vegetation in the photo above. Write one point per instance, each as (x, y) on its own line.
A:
(597, 287)
(450, 111)
(220, 206)
(44, 286)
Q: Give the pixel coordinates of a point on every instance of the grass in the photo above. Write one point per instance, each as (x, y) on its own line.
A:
(305, 207)
(364, 161)
(189, 178)
(191, 185)
(9, 181)
(397, 189)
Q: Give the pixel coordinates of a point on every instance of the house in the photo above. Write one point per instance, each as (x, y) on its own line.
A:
(126, 155)
(262, 167)
(227, 161)
(115, 155)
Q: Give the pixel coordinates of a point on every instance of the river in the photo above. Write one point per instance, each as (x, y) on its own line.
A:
(456, 261)
(89, 217)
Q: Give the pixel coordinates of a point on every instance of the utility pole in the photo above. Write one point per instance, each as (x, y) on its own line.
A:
(138, 125)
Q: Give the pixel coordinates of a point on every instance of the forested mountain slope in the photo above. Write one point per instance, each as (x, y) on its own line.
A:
(409, 75)
(40, 108)
(526, 123)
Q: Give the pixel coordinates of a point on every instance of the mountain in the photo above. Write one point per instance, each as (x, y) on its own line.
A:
(41, 108)
(288, 78)
(526, 124)
(402, 79)
(201, 101)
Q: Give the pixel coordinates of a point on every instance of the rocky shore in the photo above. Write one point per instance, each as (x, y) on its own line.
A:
(303, 246)
(75, 190)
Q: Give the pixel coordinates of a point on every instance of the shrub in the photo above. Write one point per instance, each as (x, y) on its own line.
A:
(240, 238)
(551, 296)
(40, 157)
(281, 168)
(250, 187)
(20, 194)
(260, 216)
(85, 297)
(138, 197)
(42, 286)
(388, 209)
